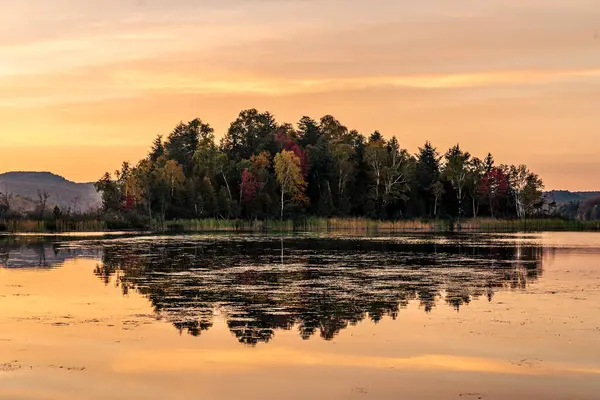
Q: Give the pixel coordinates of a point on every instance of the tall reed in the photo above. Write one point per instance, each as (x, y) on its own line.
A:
(313, 224)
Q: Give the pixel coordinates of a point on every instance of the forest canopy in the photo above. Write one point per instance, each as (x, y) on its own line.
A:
(262, 169)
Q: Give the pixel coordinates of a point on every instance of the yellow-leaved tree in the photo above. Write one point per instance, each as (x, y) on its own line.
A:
(288, 171)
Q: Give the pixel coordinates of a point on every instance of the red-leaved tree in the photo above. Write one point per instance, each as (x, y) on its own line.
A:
(250, 185)
(289, 144)
(129, 203)
(494, 186)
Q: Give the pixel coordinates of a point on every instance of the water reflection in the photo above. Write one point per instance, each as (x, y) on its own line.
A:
(315, 285)
(35, 252)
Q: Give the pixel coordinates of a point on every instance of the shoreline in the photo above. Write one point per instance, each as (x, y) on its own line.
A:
(357, 225)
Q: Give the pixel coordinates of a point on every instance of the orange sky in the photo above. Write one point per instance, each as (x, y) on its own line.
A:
(85, 85)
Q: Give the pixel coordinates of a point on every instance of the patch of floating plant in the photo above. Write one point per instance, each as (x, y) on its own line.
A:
(10, 366)
(322, 283)
(68, 368)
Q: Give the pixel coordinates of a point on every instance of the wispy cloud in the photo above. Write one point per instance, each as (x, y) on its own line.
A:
(117, 72)
(99, 84)
(195, 84)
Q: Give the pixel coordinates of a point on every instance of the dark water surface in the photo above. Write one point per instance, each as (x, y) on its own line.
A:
(306, 316)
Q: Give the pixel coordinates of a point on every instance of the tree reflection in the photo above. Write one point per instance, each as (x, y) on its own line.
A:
(321, 286)
(36, 252)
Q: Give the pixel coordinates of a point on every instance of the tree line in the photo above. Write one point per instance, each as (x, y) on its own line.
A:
(262, 169)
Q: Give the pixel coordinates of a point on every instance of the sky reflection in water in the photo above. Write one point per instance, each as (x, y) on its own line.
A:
(520, 309)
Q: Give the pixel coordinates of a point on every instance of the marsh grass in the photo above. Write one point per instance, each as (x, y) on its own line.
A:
(526, 225)
(354, 225)
(30, 226)
(373, 226)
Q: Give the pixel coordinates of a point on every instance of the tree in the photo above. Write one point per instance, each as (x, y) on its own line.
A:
(341, 172)
(286, 139)
(43, 196)
(182, 143)
(5, 204)
(395, 172)
(376, 137)
(249, 186)
(207, 203)
(518, 178)
(376, 155)
(252, 132)
(427, 174)
(289, 175)
(331, 128)
(225, 204)
(57, 213)
(321, 168)
(170, 177)
(475, 174)
(531, 195)
(157, 150)
(456, 171)
(342, 159)
(111, 195)
(437, 189)
(495, 185)
(142, 180)
(210, 162)
(255, 188)
(488, 163)
(308, 132)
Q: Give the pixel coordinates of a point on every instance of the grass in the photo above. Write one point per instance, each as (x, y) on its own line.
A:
(30, 226)
(354, 225)
(527, 225)
(373, 226)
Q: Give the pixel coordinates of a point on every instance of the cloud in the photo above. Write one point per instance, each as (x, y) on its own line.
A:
(263, 85)
(116, 73)
(238, 361)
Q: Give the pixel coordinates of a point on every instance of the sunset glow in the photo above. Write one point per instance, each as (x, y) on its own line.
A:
(84, 85)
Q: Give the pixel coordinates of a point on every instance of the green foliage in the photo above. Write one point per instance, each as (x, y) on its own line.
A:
(262, 168)
(427, 174)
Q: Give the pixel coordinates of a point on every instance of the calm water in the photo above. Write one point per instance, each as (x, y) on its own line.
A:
(296, 317)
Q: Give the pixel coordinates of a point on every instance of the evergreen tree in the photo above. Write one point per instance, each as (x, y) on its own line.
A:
(322, 168)
(427, 174)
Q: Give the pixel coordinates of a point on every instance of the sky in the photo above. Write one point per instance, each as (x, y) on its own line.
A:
(85, 85)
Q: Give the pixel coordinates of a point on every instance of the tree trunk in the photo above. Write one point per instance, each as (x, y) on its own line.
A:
(163, 211)
(459, 204)
(519, 206)
(282, 191)
(340, 190)
(377, 187)
(227, 185)
(148, 193)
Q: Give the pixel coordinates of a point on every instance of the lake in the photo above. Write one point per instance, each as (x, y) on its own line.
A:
(327, 316)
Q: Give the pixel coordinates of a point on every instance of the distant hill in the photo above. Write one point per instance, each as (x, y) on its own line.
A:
(565, 197)
(24, 187)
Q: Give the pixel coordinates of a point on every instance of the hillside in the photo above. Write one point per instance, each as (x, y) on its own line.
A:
(24, 187)
(565, 197)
